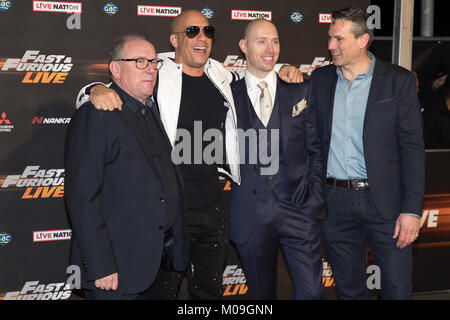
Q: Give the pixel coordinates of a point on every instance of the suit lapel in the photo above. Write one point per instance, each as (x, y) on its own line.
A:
(330, 105)
(285, 112)
(375, 90)
(243, 105)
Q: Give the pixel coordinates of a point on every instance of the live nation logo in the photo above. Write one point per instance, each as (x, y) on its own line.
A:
(158, 11)
(250, 15)
(325, 18)
(57, 6)
(52, 235)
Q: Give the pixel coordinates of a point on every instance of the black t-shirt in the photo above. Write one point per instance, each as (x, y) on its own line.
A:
(202, 106)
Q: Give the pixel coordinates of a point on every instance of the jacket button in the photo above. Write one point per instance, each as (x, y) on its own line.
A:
(254, 191)
(162, 200)
(161, 228)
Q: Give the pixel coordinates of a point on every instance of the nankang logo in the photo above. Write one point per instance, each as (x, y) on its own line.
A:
(208, 13)
(110, 9)
(45, 120)
(5, 5)
(5, 238)
(296, 17)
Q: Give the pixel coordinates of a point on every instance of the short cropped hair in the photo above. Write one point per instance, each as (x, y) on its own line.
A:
(117, 45)
(358, 17)
(253, 22)
(116, 48)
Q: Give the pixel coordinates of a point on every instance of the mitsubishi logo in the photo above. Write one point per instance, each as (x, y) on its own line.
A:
(3, 119)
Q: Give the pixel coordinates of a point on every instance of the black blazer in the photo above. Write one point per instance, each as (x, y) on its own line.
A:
(118, 188)
(392, 136)
(302, 157)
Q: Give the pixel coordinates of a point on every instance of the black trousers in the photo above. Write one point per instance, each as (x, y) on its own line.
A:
(162, 288)
(208, 245)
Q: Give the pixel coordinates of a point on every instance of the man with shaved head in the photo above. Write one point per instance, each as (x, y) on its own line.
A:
(282, 207)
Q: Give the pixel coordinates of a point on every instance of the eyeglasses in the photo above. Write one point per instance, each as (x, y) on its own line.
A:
(142, 63)
(192, 31)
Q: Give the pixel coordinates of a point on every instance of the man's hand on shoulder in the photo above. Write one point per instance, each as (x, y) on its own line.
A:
(104, 98)
(290, 74)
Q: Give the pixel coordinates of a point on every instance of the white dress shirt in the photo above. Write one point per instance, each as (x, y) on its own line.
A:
(254, 92)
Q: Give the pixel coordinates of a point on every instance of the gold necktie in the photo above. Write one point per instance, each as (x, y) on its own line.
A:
(265, 103)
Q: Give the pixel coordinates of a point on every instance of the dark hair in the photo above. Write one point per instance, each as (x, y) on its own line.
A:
(358, 17)
(117, 45)
(115, 50)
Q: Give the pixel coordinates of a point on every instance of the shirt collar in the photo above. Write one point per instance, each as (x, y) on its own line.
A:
(132, 103)
(365, 75)
(252, 82)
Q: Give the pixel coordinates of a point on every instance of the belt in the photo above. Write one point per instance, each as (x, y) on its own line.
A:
(355, 184)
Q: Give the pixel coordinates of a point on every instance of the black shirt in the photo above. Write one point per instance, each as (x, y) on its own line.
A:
(202, 105)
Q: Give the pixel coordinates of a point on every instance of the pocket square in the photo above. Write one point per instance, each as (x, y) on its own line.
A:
(299, 107)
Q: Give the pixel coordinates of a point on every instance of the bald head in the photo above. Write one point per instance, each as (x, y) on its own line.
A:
(261, 46)
(179, 23)
(254, 24)
(191, 51)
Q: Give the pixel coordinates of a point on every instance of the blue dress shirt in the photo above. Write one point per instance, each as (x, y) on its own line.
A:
(346, 156)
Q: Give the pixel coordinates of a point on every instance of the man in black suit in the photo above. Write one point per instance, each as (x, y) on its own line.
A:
(123, 193)
(374, 161)
(277, 203)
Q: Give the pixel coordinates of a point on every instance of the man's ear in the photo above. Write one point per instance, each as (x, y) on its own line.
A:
(364, 40)
(243, 45)
(174, 40)
(114, 68)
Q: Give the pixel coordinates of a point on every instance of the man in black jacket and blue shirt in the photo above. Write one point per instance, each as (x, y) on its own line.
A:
(374, 160)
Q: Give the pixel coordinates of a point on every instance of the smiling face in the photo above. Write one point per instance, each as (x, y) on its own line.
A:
(136, 82)
(191, 53)
(261, 47)
(345, 49)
